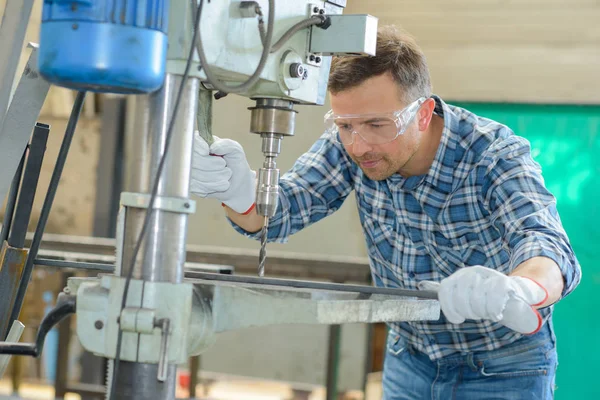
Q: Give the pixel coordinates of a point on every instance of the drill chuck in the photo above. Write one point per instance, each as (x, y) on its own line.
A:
(267, 190)
(272, 119)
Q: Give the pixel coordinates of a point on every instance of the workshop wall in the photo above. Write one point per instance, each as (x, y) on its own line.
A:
(565, 140)
(533, 51)
(73, 208)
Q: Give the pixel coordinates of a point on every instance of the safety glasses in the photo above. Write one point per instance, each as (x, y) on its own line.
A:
(374, 129)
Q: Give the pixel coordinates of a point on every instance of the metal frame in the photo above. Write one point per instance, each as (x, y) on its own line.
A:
(99, 253)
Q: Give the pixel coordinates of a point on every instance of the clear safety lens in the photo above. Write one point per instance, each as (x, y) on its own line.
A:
(372, 128)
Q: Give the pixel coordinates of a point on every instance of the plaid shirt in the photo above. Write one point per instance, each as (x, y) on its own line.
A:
(483, 202)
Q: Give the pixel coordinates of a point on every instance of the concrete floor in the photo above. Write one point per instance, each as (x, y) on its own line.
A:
(225, 389)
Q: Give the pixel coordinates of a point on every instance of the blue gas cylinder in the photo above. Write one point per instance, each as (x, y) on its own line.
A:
(115, 46)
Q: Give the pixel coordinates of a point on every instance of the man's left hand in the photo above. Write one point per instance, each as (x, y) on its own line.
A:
(482, 293)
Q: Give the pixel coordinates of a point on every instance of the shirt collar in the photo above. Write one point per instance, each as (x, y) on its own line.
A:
(441, 171)
(443, 157)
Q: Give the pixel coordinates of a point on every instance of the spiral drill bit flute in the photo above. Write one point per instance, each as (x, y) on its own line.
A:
(262, 255)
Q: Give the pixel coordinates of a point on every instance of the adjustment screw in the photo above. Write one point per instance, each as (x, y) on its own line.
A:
(297, 70)
(318, 60)
(312, 57)
(316, 9)
(321, 11)
(99, 324)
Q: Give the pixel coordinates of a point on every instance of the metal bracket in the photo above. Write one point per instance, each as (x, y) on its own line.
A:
(171, 204)
(312, 58)
(140, 320)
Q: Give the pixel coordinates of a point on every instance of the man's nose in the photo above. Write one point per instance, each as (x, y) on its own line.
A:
(359, 146)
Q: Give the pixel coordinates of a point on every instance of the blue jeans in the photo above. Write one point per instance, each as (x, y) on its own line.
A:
(524, 370)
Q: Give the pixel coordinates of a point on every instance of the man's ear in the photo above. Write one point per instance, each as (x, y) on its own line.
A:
(425, 114)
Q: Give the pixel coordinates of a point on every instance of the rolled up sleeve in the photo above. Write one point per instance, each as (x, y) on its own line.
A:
(315, 187)
(524, 211)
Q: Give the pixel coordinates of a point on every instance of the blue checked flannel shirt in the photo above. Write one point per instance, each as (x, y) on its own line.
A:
(483, 202)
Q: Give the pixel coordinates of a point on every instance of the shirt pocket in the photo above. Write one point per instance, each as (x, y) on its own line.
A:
(449, 254)
(380, 228)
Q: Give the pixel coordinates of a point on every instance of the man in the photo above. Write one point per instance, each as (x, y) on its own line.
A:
(448, 201)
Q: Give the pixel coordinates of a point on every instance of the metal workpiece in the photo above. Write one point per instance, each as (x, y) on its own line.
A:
(348, 34)
(199, 309)
(20, 117)
(237, 305)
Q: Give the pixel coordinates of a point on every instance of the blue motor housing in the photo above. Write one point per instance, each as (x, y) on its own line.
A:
(115, 46)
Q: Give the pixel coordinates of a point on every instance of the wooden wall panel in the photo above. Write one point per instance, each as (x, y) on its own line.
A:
(534, 51)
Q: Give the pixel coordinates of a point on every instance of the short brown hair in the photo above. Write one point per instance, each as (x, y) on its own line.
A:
(397, 53)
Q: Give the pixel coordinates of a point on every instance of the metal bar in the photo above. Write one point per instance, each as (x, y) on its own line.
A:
(14, 335)
(109, 171)
(52, 187)
(190, 269)
(368, 357)
(337, 287)
(194, 369)
(20, 119)
(75, 265)
(12, 199)
(195, 274)
(13, 260)
(333, 361)
(283, 264)
(31, 176)
(12, 34)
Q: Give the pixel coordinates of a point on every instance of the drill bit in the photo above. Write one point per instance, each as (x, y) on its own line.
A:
(262, 255)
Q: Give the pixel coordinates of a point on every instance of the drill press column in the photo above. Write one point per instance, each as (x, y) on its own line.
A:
(162, 254)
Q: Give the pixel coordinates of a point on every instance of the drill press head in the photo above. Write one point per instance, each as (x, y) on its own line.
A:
(272, 119)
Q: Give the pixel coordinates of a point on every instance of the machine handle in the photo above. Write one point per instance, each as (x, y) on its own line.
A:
(163, 361)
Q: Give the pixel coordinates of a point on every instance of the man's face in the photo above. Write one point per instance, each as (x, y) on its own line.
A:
(377, 95)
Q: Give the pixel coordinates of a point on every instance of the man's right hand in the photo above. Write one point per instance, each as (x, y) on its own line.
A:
(221, 171)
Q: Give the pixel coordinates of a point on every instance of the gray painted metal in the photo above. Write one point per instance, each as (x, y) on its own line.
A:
(20, 119)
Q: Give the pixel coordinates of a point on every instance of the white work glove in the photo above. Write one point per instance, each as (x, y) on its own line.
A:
(483, 293)
(222, 172)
